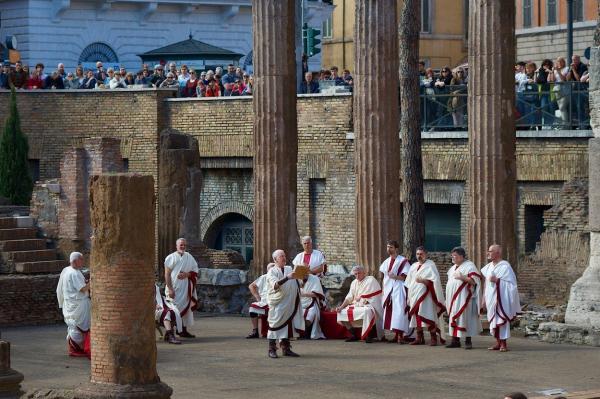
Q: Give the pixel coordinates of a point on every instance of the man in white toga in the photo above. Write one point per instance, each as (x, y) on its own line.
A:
(73, 297)
(313, 258)
(501, 296)
(181, 273)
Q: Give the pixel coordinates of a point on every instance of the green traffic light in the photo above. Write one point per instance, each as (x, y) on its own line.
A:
(312, 41)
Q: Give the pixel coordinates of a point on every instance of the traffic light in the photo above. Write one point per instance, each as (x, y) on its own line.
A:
(312, 41)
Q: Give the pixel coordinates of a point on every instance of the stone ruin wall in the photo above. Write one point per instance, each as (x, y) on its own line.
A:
(223, 128)
(562, 254)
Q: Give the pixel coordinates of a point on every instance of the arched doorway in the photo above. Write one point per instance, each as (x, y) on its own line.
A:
(232, 231)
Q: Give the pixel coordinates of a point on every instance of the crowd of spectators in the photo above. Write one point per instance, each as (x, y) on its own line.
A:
(317, 82)
(189, 82)
(551, 96)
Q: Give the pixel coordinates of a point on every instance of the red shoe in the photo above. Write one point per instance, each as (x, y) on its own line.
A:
(495, 347)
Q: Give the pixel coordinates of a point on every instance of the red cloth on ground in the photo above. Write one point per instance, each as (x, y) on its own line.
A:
(331, 328)
(76, 351)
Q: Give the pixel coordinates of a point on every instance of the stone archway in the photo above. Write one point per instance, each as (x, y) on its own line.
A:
(222, 209)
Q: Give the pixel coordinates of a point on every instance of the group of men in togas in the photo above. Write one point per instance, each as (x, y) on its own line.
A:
(174, 310)
(412, 300)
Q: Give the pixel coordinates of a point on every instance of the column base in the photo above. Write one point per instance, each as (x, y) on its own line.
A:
(10, 384)
(95, 390)
(583, 308)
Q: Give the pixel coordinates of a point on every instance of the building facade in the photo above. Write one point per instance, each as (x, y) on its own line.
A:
(443, 33)
(541, 28)
(116, 31)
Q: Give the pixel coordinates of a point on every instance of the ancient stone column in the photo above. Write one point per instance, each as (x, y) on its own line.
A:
(123, 340)
(275, 130)
(10, 380)
(584, 302)
(492, 172)
(179, 185)
(376, 130)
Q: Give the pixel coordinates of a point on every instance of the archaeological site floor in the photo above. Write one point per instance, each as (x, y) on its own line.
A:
(222, 364)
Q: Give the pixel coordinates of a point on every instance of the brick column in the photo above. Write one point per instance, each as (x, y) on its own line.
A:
(492, 175)
(104, 155)
(73, 211)
(122, 275)
(10, 380)
(275, 130)
(377, 130)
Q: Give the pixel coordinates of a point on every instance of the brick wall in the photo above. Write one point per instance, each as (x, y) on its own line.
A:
(546, 275)
(55, 121)
(29, 300)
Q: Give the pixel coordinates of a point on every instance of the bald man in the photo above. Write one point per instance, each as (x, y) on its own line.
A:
(501, 296)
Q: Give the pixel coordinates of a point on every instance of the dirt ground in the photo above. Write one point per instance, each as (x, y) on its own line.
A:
(220, 363)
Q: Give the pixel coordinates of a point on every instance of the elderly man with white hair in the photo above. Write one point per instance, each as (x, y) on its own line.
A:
(181, 273)
(73, 297)
(501, 296)
(313, 258)
(285, 313)
(362, 307)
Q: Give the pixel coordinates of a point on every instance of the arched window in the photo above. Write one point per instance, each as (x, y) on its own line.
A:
(98, 52)
(232, 231)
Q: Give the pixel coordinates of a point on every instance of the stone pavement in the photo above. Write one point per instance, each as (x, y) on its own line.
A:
(222, 364)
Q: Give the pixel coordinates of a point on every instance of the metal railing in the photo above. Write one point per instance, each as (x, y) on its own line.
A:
(561, 106)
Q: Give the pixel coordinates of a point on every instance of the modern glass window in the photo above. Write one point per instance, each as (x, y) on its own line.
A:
(426, 16)
(442, 227)
(578, 10)
(551, 12)
(527, 11)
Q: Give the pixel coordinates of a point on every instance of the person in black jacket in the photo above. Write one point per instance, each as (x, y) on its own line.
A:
(89, 82)
(546, 105)
(54, 81)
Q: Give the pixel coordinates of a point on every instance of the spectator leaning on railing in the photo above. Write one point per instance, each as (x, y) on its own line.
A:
(70, 82)
(547, 107)
(4, 74)
(54, 81)
(309, 86)
(18, 77)
(561, 90)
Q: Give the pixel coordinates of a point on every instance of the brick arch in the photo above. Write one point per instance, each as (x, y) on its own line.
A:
(222, 209)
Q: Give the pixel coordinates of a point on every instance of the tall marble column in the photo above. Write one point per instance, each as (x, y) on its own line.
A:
(584, 302)
(376, 130)
(275, 130)
(492, 174)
